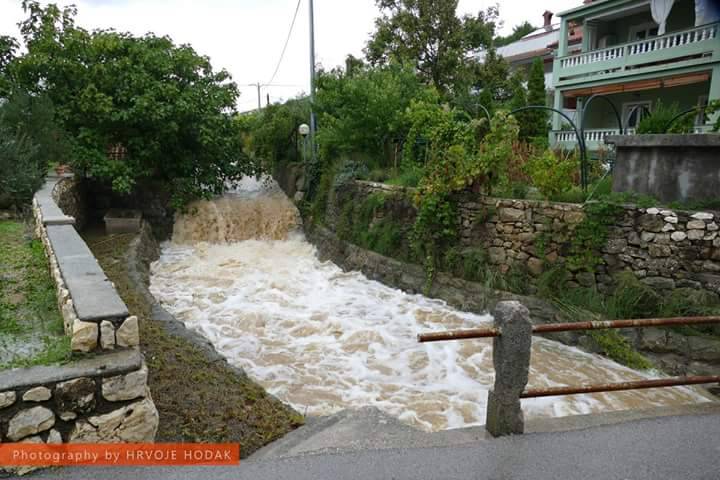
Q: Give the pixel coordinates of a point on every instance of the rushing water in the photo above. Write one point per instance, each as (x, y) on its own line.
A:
(240, 272)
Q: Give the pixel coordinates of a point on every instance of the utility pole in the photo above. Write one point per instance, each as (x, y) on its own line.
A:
(312, 81)
(258, 90)
(267, 104)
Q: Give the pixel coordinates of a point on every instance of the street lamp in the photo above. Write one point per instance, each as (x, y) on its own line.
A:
(304, 130)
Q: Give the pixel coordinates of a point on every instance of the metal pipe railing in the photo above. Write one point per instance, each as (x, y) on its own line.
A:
(490, 332)
(512, 335)
(617, 387)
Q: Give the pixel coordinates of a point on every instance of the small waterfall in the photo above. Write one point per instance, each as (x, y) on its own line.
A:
(256, 210)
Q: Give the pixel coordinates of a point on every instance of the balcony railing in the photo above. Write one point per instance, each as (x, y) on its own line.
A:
(595, 138)
(676, 46)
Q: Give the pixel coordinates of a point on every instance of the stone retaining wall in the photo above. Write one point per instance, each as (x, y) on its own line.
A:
(103, 397)
(664, 248)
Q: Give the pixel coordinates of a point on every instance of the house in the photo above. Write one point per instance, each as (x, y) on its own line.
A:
(635, 52)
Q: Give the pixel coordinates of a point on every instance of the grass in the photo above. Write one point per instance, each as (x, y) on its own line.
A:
(29, 316)
(199, 399)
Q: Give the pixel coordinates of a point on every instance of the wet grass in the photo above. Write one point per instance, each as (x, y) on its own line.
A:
(31, 327)
(199, 399)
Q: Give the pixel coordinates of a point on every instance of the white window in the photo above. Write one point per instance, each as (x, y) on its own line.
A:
(633, 112)
(642, 31)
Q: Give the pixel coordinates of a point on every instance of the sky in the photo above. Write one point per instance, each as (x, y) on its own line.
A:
(246, 37)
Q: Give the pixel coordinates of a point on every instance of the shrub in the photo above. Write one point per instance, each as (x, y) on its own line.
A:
(659, 120)
(551, 173)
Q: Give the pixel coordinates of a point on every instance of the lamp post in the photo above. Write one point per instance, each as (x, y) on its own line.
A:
(304, 130)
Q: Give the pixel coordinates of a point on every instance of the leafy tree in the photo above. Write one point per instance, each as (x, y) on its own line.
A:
(364, 112)
(493, 81)
(29, 141)
(8, 47)
(268, 136)
(429, 37)
(519, 31)
(536, 125)
(163, 103)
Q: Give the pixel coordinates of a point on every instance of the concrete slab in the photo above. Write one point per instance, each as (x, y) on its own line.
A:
(113, 363)
(92, 292)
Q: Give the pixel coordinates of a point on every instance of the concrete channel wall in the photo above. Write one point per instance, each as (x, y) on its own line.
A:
(102, 397)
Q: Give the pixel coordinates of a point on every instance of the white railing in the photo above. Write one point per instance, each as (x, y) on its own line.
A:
(597, 135)
(665, 42)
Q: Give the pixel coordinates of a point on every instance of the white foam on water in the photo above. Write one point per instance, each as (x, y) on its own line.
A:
(322, 339)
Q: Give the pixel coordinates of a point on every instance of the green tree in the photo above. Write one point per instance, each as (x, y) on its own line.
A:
(493, 81)
(519, 31)
(364, 112)
(429, 37)
(8, 47)
(536, 126)
(163, 103)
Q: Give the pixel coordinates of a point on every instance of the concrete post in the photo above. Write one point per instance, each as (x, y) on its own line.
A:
(511, 357)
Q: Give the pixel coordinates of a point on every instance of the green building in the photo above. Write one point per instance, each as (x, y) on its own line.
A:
(635, 52)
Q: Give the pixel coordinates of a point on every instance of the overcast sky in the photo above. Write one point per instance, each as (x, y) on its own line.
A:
(246, 36)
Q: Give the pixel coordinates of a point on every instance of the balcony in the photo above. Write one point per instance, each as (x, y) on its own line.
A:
(674, 50)
(595, 138)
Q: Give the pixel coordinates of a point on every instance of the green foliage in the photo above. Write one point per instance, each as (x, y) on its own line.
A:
(536, 126)
(591, 234)
(161, 102)
(428, 37)
(365, 111)
(619, 349)
(493, 80)
(358, 224)
(712, 109)
(269, 136)
(8, 48)
(519, 31)
(551, 172)
(659, 120)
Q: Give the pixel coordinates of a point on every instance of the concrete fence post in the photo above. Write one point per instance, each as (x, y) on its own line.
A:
(511, 357)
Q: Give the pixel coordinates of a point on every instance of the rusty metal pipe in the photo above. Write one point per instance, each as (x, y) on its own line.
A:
(615, 387)
(458, 334)
(567, 327)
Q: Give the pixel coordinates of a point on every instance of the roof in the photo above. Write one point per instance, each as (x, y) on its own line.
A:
(594, 5)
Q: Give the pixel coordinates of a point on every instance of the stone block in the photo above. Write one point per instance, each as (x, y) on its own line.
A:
(29, 422)
(125, 387)
(107, 335)
(695, 234)
(509, 214)
(702, 216)
(37, 394)
(535, 266)
(128, 334)
(660, 283)
(696, 225)
(84, 336)
(136, 422)
(77, 395)
(678, 236)
(7, 399)
(650, 223)
(656, 250)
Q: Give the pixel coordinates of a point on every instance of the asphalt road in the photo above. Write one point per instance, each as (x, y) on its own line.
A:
(683, 448)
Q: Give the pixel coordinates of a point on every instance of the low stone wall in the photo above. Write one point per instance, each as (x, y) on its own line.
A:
(664, 248)
(95, 316)
(102, 397)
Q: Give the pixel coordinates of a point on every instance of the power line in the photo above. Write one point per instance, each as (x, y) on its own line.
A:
(287, 40)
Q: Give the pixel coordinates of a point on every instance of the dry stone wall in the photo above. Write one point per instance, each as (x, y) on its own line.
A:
(664, 248)
(104, 396)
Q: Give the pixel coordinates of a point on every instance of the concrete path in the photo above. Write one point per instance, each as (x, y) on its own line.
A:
(675, 447)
